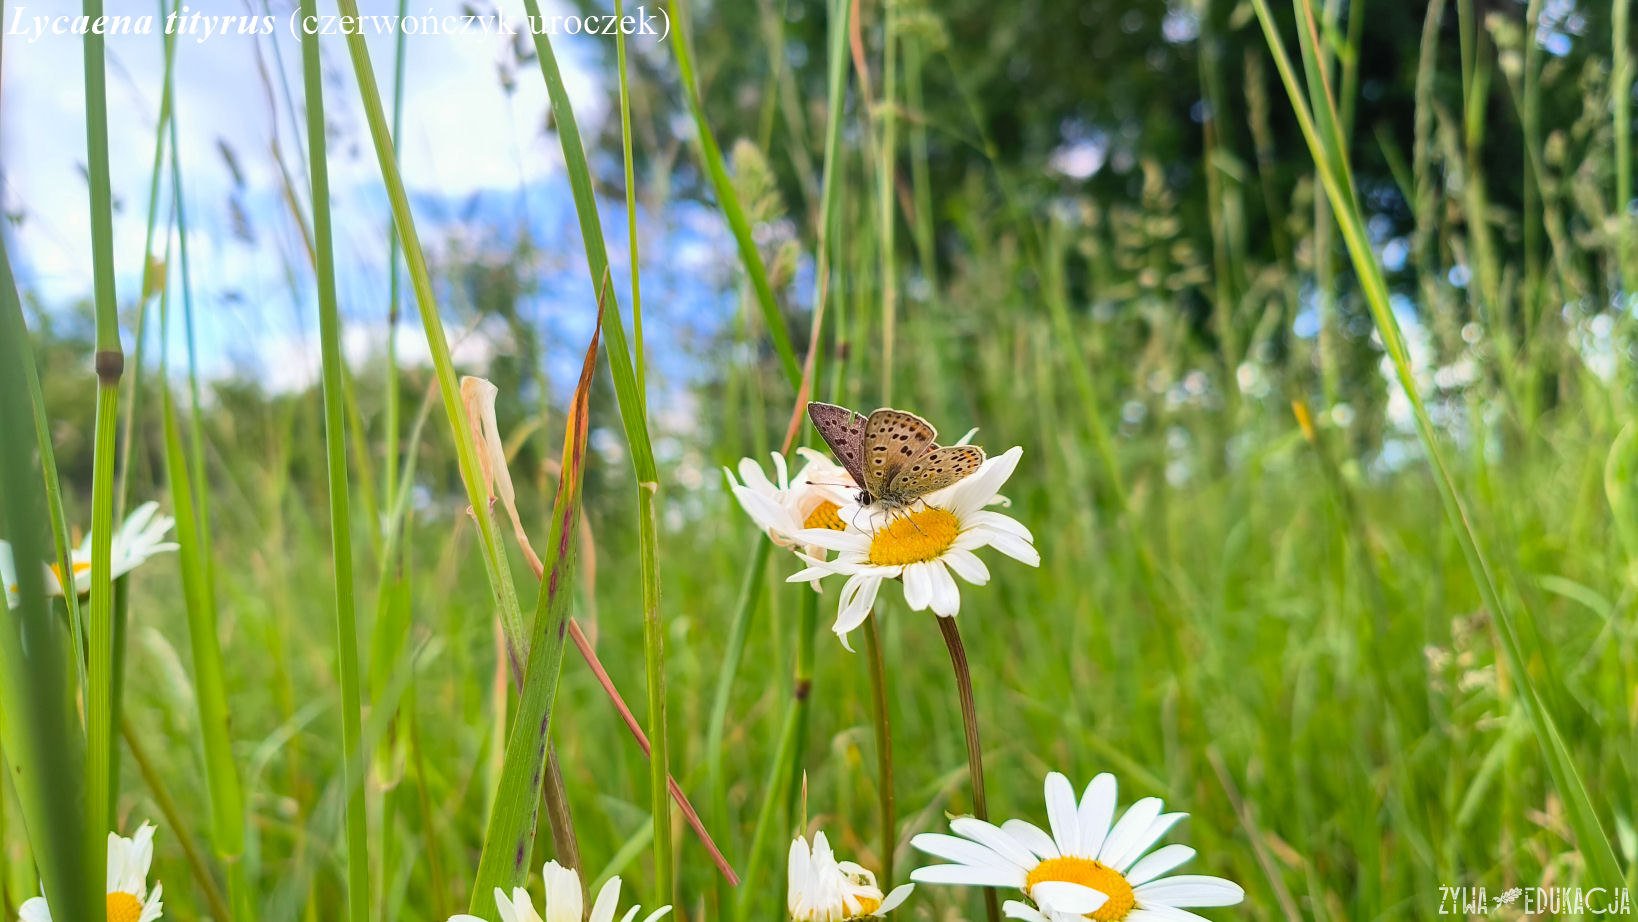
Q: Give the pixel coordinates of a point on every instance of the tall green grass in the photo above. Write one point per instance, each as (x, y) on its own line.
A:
(1372, 652)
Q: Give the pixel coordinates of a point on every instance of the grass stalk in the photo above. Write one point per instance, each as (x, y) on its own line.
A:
(222, 777)
(109, 364)
(176, 823)
(1621, 114)
(881, 713)
(45, 753)
(1331, 159)
(750, 591)
(335, 445)
(975, 749)
(633, 417)
(785, 771)
(510, 837)
(727, 197)
(887, 112)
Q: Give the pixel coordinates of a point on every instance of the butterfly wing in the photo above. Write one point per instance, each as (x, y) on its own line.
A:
(933, 470)
(843, 430)
(893, 439)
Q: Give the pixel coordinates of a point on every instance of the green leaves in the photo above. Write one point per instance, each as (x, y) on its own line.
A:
(510, 839)
(39, 729)
(335, 445)
(1331, 158)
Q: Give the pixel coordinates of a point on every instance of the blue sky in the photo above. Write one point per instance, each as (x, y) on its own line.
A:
(475, 159)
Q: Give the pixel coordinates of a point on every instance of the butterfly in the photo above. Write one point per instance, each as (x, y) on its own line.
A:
(891, 454)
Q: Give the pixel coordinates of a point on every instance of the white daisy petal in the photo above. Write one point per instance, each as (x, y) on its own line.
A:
(1159, 913)
(1146, 839)
(607, 901)
(918, 586)
(1000, 875)
(1190, 890)
(895, 899)
(1096, 811)
(1032, 837)
(1158, 862)
(946, 595)
(967, 566)
(995, 521)
(1129, 830)
(750, 474)
(832, 540)
(858, 599)
(1014, 909)
(993, 838)
(1016, 548)
(965, 851)
(818, 887)
(1061, 814)
(1063, 896)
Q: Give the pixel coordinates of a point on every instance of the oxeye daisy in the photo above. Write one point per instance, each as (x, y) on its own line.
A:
(786, 506)
(821, 889)
(563, 901)
(922, 546)
(1089, 867)
(128, 896)
(140, 536)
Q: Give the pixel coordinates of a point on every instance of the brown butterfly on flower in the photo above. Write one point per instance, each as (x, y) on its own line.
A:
(891, 454)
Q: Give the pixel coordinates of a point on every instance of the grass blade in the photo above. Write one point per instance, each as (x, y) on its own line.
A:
(1328, 157)
(335, 446)
(110, 364)
(728, 199)
(510, 838)
(39, 728)
(634, 418)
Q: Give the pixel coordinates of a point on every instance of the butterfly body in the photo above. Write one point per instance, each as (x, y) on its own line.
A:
(891, 454)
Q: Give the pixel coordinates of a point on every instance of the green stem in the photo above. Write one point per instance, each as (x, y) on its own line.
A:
(750, 590)
(1621, 101)
(109, 364)
(879, 698)
(887, 110)
(727, 198)
(335, 443)
(40, 731)
(786, 770)
(975, 750)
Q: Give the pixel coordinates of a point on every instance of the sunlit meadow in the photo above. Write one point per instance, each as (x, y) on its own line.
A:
(412, 506)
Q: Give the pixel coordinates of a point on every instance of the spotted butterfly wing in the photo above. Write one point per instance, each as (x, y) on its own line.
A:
(893, 440)
(935, 469)
(843, 430)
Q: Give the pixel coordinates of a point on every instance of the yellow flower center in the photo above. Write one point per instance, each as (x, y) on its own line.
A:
(920, 536)
(79, 566)
(123, 907)
(867, 907)
(1088, 873)
(824, 516)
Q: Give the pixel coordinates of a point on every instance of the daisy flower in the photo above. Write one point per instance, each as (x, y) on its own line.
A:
(922, 547)
(141, 536)
(821, 889)
(128, 896)
(786, 506)
(563, 901)
(1088, 868)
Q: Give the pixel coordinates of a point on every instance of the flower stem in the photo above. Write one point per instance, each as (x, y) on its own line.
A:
(884, 748)
(975, 752)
